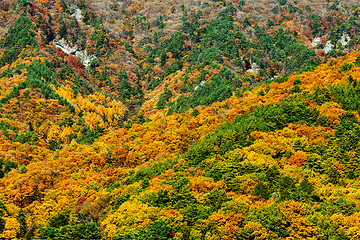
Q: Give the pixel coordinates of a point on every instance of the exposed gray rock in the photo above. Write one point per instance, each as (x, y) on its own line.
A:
(254, 68)
(77, 14)
(345, 38)
(201, 83)
(84, 58)
(315, 41)
(328, 46)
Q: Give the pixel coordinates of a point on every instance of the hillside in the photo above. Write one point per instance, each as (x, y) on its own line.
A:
(179, 120)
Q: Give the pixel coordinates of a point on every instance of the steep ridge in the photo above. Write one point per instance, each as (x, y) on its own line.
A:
(202, 125)
(279, 152)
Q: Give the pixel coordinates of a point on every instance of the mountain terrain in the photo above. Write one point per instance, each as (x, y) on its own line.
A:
(179, 119)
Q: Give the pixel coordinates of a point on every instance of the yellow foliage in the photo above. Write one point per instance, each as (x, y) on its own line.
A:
(350, 225)
(259, 232)
(53, 134)
(130, 215)
(132, 188)
(12, 226)
(294, 215)
(39, 212)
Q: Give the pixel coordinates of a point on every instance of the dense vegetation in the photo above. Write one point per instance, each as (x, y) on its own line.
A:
(191, 120)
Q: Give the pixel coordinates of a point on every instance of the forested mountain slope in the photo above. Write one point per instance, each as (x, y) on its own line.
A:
(192, 120)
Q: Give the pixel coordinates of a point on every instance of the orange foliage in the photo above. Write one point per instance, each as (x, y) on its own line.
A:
(298, 158)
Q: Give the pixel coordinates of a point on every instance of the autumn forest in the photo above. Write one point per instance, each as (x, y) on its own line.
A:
(185, 120)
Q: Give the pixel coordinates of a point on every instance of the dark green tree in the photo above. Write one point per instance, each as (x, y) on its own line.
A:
(22, 3)
(2, 213)
(272, 175)
(63, 30)
(357, 61)
(21, 218)
(160, 22)
(262, 190)
(270, 23)
(287, 188)
(63, 5)
(215, 199)
(17, 38)
(158, 230)
(164, 97)
(124, 88)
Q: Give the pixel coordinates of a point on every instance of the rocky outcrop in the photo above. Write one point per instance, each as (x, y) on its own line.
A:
(315, 42)
(345, 38)
(328, 46)
(77, 14)
(84, 58)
